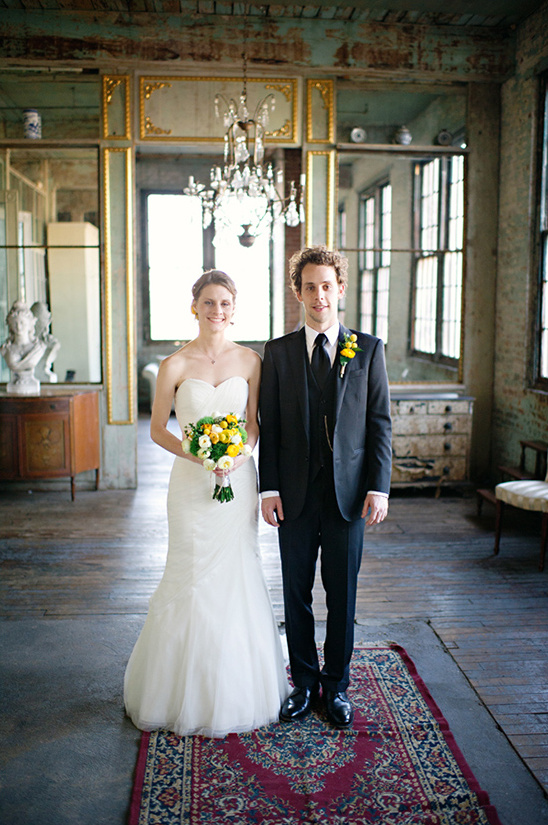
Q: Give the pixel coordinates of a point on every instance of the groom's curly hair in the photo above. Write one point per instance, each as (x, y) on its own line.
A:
(320, 255)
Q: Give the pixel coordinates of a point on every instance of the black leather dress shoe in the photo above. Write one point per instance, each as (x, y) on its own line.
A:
(298, 704)
(338, 707)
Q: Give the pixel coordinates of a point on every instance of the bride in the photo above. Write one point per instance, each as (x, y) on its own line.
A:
(209, 659)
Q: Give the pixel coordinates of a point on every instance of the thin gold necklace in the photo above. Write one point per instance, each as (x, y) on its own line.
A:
(213, 360)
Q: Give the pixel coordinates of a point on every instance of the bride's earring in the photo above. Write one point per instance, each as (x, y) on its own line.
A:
(193, 310)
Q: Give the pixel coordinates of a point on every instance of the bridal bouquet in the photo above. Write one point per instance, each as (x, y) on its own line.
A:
(217, 440)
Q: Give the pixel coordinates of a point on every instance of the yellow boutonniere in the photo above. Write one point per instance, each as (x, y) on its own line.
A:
(349, 347)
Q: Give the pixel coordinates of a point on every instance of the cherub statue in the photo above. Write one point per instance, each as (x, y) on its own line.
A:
(22, 350)
(44, 371)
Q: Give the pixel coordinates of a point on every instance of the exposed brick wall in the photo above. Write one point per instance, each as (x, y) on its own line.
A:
(293, 242)
(519, 411)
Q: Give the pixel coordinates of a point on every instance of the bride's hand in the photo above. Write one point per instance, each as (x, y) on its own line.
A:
(238, 461)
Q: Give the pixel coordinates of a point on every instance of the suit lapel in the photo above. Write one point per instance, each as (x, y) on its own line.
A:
(341, 382)
(297, 360)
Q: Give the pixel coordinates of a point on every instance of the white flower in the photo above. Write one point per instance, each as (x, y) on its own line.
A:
(204, 441)
(246, 450)
(209, 464)
(225, 462)
(236, 439)
(216, 414)
(204, 453)
(185, 443)
(216, 429)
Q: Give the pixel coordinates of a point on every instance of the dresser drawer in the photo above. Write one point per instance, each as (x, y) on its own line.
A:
(431, 424)
(430, 445)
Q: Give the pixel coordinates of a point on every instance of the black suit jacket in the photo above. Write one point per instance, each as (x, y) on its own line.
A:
(362, 456)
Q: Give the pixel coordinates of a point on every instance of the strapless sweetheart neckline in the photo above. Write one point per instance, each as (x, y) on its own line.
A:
(209, 384)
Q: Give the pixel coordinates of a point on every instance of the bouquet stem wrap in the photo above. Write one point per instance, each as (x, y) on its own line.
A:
(223, 491)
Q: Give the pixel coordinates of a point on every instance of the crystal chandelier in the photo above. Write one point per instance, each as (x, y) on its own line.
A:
(250, 194)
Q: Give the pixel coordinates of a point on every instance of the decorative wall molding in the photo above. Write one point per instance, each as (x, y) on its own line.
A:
(115, 105)
(165, 103)
(320, 111)
(120, 353)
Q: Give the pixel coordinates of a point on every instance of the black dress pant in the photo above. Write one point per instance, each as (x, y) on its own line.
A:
(320, 525)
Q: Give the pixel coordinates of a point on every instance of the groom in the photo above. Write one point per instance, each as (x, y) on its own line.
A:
(324, 466)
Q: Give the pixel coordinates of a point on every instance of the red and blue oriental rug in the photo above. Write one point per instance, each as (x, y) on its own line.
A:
(398, 765)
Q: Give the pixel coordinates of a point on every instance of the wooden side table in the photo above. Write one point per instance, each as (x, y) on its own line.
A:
(51, 435)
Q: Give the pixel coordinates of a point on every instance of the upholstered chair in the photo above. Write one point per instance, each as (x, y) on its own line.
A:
(530, 494)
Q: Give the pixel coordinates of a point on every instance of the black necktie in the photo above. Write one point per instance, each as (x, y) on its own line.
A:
(321, 363)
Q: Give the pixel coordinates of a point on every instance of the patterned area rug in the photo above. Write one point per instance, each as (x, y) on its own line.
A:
(398, 765)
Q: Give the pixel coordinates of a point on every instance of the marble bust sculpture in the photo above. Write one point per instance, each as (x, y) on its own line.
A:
(43, 370)
(22, 350)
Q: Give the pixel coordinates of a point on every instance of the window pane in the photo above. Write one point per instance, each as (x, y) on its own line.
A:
(383, 283)
(456, 203)
(453, 262)
(366, 309)
(386, 224)
(430, 206)
(175, 259)
(250, 271)
(544, 312)
(452, 287)
(370, 233)
(425, 304)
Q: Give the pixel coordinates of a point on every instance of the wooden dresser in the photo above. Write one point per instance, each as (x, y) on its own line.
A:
(49, 435)
(431, 438)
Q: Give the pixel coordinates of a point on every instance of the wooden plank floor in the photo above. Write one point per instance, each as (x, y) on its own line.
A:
(431, 560)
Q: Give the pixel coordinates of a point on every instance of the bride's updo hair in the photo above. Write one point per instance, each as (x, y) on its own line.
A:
(214, 276)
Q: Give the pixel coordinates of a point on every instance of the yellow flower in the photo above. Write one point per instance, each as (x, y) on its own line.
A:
(233, 450)
(348, 353)
(223, 424)
(353, 337)
(224, 437)
(232, 419)
(214, 438)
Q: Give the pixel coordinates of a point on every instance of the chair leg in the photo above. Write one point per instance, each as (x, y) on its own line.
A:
(543, 540)
(498, 524)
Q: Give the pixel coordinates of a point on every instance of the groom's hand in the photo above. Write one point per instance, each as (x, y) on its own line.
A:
(272, 510)
(377, 507)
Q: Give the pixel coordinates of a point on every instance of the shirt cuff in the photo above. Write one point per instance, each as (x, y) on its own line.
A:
(377, 493)
(269, 494)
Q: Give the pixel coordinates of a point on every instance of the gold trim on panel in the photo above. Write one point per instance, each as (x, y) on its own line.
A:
(326, 90)
(110, 84)
(329, 195)
(288, 87)
(151, 129)
(129, 285)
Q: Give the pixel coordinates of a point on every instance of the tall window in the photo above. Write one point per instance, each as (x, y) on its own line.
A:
(178, 251)
(437, 293)
(376, 236)
(542, 338)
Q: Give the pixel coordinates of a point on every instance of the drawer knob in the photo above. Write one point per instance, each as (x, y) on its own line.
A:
(447, 446)
(448, 408)
(448, 426)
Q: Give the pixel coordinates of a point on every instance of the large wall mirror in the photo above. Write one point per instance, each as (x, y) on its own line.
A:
(50, 250)
(401, 217)
(401, 225)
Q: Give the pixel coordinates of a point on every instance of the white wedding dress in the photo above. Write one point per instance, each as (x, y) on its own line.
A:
(209, 658)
